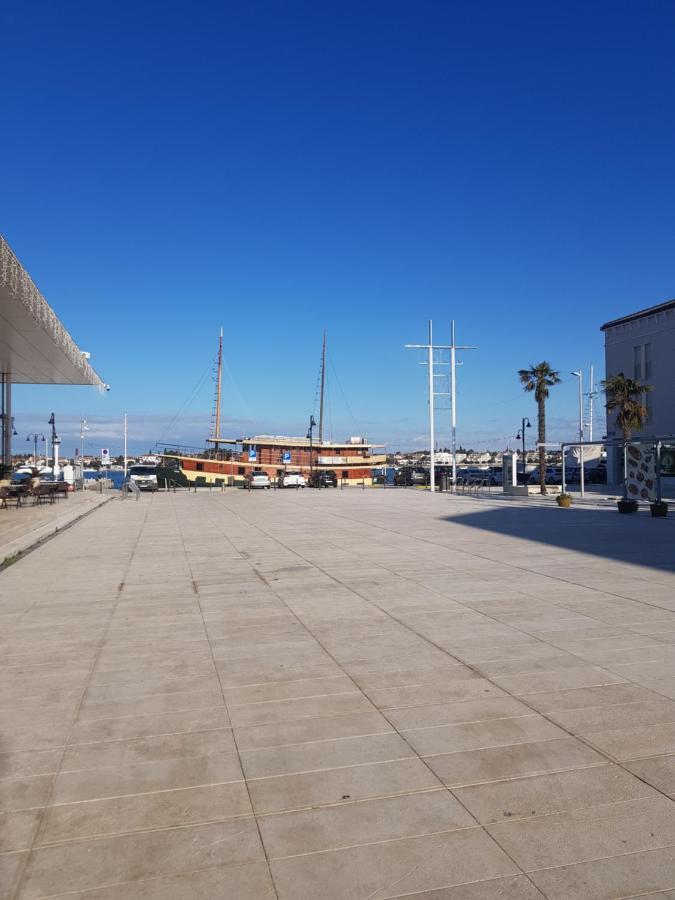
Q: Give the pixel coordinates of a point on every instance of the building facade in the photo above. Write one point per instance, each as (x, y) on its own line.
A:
(642, 346)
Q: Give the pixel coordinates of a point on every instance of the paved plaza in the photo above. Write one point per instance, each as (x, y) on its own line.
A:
(340, 695)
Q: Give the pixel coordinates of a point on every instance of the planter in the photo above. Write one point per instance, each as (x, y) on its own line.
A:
(564, 500)
(627, 506)
(659, 510)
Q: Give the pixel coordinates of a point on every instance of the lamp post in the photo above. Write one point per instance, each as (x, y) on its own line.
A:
(83, 427)
(56, 441)
(35, 437)
(525, 423)
(580, 376)
(310, 437)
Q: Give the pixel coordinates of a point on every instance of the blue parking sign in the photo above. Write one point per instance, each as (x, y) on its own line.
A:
(287, 456)
(252, 455)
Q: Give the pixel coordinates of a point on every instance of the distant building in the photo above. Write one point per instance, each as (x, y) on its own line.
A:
(642, 346)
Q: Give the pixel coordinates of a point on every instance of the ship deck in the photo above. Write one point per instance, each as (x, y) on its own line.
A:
(352, 695)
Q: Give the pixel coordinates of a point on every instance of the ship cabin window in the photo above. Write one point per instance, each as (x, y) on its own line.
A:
(241, 470)
(200, 467)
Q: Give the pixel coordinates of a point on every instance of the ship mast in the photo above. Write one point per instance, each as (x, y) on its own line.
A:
(219, 379)
(323, 384)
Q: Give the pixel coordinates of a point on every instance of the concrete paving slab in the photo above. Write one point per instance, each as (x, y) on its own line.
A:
(354, 694)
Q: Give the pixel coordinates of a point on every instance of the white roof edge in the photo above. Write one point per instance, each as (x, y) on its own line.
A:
(18, 282)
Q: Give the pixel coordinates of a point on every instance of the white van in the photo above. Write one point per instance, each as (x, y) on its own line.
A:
(144, 477)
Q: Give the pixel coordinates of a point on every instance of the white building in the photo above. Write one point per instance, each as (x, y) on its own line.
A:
(642, 346)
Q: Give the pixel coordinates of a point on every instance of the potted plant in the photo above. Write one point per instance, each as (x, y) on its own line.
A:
(659, 509)
(564, 500)
(625, 397)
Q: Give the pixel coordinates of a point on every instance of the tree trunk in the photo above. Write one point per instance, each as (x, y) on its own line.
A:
(542, 439)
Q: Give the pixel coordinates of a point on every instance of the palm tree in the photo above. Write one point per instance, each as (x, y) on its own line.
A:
(625, 398)
(539, 379)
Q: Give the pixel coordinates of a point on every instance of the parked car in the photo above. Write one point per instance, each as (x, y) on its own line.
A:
(408, 476)
(144, 476)
(257, 480)
(323, 479)
(291, 479)
(596, 475)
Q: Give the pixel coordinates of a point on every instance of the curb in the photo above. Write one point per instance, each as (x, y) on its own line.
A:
(43, 534)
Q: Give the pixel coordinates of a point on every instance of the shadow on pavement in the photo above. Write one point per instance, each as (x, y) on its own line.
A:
(604, 532)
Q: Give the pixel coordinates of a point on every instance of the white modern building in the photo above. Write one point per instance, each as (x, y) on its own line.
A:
(35, 347)
(642, 346)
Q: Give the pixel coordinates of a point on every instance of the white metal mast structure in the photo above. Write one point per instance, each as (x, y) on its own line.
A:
(592, 394)
(323, 385)
(433, 393)
(453, 397)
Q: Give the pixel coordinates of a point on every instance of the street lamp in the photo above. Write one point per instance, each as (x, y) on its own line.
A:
(525, 423)
(35, 437)
(83, 427)
(580, 376)
(310, 438)
(56, 440)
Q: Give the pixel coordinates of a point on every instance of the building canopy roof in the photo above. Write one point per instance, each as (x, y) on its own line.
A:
(661, 307)
(35, 347)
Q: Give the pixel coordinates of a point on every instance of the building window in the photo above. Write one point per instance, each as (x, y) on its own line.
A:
(648, 405)
(642, 362)
(200, 467)
(345, 473)
(241, 470)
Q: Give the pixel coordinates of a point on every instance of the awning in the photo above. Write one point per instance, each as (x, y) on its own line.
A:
(35, 347)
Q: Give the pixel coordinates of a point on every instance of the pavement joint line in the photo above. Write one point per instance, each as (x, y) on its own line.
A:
(195, 588)
(382, 712)
(475, 668)
(150, 879)
(584, 862)
(99, 646)
(407, 837)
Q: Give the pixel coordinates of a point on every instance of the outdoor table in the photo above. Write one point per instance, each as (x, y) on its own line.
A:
(14, 492)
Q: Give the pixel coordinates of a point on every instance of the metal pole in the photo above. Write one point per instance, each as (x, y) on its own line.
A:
(581, 430)
(432, 437)
(125, 446)
(562, 455)
(453, 394)
(323, 384)
(625, 469)
(591, 395)
(522, 435)
(658, 471)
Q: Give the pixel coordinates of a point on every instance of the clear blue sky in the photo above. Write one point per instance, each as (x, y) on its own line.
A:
(278, 169)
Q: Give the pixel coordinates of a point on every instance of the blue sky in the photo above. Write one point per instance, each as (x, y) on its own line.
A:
(278, 169)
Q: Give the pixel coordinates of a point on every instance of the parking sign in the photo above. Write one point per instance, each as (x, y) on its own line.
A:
(286, 456)
(105, 456)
